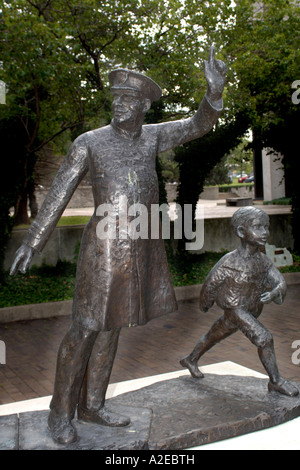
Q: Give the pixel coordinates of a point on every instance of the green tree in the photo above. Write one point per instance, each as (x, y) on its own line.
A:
(219, 174)
(35, 73)
(264, 52)
(55, 58)
(196, 159)
(241, 157)
(259, 42)
(56, 55)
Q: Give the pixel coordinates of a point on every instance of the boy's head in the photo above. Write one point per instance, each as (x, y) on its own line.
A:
(251, 224)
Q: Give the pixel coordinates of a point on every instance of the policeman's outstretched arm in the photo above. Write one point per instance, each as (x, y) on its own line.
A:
(22, 260)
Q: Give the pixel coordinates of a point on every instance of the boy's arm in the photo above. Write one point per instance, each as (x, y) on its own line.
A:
(210, 287)
(207, 296)
(278, 286)
(72, 170)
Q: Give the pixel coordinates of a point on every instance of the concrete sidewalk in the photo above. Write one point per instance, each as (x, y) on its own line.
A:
(212, 209)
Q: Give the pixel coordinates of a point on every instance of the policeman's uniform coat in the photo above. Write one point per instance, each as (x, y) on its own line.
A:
(120, 282)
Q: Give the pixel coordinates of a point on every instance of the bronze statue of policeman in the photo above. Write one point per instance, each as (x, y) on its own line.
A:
(120, 281)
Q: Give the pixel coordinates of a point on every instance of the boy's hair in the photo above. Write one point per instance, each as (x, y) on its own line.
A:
(244, 215)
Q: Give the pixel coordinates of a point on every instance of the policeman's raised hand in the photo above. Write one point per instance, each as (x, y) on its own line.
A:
(215, 74)
(22, 260)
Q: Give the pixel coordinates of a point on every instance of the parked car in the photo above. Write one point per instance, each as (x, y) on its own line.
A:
(242, 178)
(249, 180)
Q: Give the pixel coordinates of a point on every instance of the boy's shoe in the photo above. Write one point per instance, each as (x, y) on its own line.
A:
(284, 387)
(192, 367)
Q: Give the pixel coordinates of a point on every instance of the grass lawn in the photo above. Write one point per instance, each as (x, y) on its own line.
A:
(49, 284)
(66, 220)
(74, 220)
(39, 284)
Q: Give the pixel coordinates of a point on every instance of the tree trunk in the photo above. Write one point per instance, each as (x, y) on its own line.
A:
(21, 210)
(33, 206)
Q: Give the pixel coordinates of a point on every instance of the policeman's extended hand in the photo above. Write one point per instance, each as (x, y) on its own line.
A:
(215, 74)
(22, 260)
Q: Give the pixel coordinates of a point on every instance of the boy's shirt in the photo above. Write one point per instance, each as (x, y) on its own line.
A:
(238, 281)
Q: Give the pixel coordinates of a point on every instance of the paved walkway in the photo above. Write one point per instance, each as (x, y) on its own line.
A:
(212, 209)
(156, 348)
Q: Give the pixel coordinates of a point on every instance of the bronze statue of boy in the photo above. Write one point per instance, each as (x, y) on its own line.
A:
(239, 284)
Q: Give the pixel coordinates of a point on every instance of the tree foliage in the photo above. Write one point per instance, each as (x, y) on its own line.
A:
(264, 52)
(260, 42)
(56, 56)
(197, 158)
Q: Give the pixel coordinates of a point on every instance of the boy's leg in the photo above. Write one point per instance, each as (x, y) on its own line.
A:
(220, 330)
(72, 359)
(263, 340)
(91, 404)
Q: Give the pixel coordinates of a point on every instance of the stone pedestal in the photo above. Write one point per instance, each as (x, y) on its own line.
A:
(174, 414)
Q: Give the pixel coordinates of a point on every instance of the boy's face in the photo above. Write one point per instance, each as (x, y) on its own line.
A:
(256, 231)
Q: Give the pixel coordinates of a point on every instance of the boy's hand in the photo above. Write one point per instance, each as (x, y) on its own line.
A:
(203, 309)
(267, 297)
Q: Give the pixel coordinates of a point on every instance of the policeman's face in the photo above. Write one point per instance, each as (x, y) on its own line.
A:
(128, 107)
